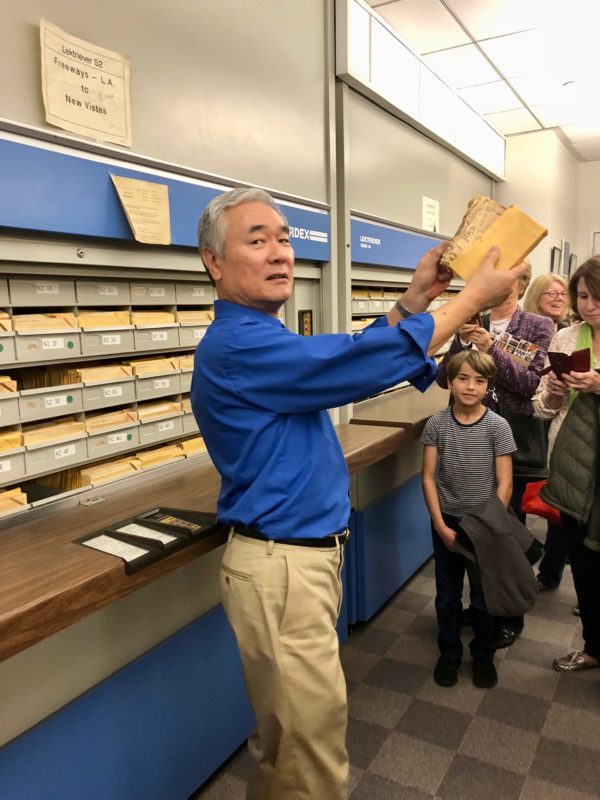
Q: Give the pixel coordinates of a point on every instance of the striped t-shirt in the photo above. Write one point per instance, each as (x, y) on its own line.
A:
(466, 454)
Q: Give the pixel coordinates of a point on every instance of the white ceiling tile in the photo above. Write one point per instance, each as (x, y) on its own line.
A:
(516, 121)
(461, 66)
(424, 24)
(485, 18)
(537, 88)
(555, 114)
(490, 97)
(523, 53)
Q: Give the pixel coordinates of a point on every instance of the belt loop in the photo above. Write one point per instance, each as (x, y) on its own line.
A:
(270, 546)
(231, 532)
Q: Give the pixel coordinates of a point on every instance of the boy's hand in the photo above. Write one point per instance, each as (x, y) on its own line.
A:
(447, 535)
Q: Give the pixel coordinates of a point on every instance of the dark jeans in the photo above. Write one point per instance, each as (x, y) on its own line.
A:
(555, 556)
(585, 566)
(519, 484)
(449, 577)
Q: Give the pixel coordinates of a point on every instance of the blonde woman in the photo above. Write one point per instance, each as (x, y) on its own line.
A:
(548, 296)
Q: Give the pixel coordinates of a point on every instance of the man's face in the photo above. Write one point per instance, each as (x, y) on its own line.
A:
(257, 269)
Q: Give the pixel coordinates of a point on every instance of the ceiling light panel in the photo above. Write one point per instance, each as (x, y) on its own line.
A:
(424, 24)
(461, 66)
(488, 98)
(516, 121)
(499, 17)
(394, 69)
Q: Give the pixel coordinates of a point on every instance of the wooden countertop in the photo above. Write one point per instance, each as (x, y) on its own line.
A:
(48, 583)
(407, 408)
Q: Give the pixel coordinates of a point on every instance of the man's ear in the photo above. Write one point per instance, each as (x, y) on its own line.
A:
(211, 263)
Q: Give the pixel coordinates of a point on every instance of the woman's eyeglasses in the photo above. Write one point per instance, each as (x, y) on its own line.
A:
(554, 295)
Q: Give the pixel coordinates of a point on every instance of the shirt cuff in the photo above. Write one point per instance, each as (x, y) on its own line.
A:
(420, 328)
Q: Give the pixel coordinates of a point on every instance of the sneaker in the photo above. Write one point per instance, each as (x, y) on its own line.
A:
(505, 637)
(446, 672)
(575, 661)
(484, 673)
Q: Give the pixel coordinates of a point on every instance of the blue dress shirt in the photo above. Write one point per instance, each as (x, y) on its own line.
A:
(260, 394)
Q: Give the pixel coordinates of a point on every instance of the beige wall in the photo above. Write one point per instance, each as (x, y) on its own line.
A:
(542, 179)
(217, 85)
(588, 216)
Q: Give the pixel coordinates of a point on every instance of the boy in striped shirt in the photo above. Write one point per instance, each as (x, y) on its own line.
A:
(472, 447)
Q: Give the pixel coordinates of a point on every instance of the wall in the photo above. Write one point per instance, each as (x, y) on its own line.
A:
(213, 86)
(588, 215)
(542, 178)
(391, 166)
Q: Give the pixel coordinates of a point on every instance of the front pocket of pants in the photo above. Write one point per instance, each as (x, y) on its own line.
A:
(234, 573)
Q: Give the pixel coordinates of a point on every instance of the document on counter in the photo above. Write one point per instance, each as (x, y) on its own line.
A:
(133, 529)
(115, 547)
(146, 206)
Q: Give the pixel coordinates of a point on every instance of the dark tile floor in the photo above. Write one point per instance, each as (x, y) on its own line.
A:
(536, 736)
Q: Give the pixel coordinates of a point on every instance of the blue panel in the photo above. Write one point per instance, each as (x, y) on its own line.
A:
(46, 190)
(155, 730)
(393, 539)
(384, 246)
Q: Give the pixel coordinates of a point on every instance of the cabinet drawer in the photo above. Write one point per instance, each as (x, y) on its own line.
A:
(190, 335)
(42, 403)
(197, 294)
(101, 395)
(149, 294)
(4, 298)
(9, 409)
(57, 455)
(12, 466)
(7, 349)
(103, 293)
(157, 386)
(106, 342)
(47, 347)
(41, 292)
(109, 442)
(185, 380)
(189, 424)
(151, 432)
(156, 338)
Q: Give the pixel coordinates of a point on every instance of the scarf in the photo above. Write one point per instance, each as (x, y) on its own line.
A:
(584, 340)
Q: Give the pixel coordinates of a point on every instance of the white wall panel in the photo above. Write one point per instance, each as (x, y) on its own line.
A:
(391, 167)
(235, 89)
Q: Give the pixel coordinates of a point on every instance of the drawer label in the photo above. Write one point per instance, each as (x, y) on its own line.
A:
(67, 450)
(157, 291)
(113, 391)
(46, 288)
(108, 291)
(118, 438)
(199, 333)
(162, 383)
(159, 336)
(111, 339)
(169, 425)
(5, 466)
(54, 343)
(198, 291)
(56, 402)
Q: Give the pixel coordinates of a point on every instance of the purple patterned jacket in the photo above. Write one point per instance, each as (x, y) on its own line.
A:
(515, 383)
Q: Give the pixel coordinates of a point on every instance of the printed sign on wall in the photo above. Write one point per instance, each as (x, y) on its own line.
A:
(85, 87)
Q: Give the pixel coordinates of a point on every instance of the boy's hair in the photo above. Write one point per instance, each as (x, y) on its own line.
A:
(481, 363)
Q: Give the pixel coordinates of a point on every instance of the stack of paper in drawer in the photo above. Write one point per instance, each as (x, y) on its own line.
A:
(10, 438)
(91, 318)
(95, 423)
(92, 474)
(159, 455)
(148, 319)
(7, 384)
(5, 321)
(186, 404)
(185, 362)
(12, 500)
(192, 446)
(157, 409)
(191, 316)
(147, 366)
(55, 431)
(96, 374)
(33, 323)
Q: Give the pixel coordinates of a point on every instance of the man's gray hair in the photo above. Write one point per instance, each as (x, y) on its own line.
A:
(211, 227)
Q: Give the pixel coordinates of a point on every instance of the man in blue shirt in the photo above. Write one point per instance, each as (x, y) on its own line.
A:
(260, 395)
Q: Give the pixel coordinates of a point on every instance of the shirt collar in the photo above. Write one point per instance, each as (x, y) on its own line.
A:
(224, 309)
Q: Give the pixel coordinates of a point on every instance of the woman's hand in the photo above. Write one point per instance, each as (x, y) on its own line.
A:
(556, 387)
(583, 381)
(466, 330)
(447, 535)
(481, 339)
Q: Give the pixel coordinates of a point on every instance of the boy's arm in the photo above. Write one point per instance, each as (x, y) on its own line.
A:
(504, 478)
(428, 479)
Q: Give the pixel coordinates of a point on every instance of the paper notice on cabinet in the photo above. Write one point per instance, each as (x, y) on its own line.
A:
(85, 87)
(146, 205)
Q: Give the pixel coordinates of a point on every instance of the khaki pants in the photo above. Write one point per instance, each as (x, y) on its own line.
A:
(282, 602)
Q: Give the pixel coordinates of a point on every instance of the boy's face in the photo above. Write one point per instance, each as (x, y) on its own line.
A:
(469, 387)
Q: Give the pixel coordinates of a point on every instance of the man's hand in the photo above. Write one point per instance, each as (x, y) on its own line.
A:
(429, 280)
(489, 287)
